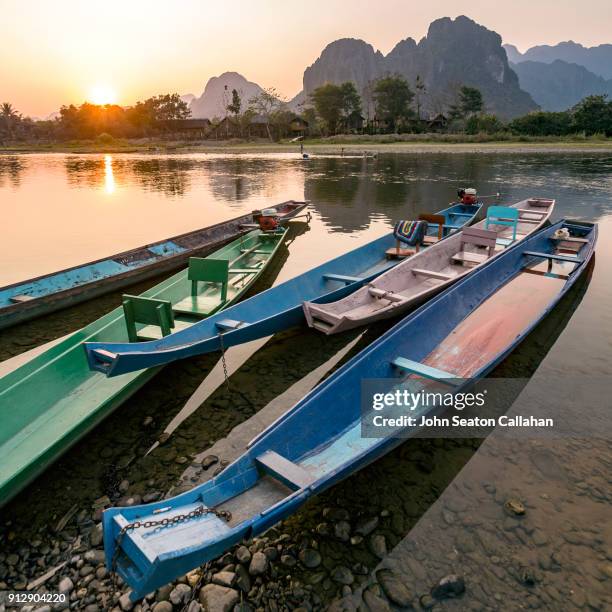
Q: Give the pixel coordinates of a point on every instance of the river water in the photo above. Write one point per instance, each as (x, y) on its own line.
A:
(61, 210)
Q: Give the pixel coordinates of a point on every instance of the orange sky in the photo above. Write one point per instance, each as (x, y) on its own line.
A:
(53, 53)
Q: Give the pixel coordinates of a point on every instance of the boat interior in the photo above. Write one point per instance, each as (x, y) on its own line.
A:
(431, 269)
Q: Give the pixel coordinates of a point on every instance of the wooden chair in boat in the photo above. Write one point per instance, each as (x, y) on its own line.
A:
(397, 251)
(214, 272)
(438, 220)
(155, 314)
(479, 238)
(506, 217)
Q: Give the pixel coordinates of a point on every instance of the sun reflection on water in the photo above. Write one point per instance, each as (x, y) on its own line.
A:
(109, 179)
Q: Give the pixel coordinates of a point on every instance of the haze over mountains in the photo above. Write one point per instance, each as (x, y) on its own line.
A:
(454, 53)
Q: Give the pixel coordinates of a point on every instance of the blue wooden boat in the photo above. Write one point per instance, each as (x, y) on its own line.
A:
(461, 334)
(269, 312)
(38, 296)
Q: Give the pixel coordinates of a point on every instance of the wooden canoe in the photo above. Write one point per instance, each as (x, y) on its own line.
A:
(426, 273)
(465, 331)
(267, 313)
(32, 298)
(75, 399)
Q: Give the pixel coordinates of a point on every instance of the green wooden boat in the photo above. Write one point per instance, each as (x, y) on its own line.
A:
(37, 427)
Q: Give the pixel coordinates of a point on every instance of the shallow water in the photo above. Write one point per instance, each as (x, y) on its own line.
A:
(61, 210)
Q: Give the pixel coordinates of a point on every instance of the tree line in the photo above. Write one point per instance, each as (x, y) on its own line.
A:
(331, 109)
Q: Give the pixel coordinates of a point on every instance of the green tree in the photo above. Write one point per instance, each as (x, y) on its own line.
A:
(593, 115)
(469, 103)
(168, 106)
(9, 118)
(543, 123)
(334, 104)
(483, 123)
(392, 97)
(236, 104)
(265, 104)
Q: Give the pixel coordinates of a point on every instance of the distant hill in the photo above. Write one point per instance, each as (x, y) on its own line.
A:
(454, 53)
(559, 85)
(598, 59)
(218, 94)
(188, 98)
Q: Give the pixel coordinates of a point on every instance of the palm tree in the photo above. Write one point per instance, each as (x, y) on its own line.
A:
(9, 116)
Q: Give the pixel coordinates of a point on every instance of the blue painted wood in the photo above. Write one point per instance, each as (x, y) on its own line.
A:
(552, 256)
(414, 367)
(342, 278)
(285, 471)
(503, 215)
(326, 443)
(266, 313)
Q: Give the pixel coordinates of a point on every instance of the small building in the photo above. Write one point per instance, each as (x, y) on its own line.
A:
(438, 123)
(185, 128)
(298, 126)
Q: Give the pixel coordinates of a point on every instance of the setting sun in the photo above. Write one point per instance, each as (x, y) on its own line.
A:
(102, 94)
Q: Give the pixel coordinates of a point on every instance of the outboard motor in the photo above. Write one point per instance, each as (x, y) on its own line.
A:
(268, 220)
(467, 196)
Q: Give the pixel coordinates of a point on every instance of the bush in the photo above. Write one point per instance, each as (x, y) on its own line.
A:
(104, 138)
(543, 123)
(483, 124)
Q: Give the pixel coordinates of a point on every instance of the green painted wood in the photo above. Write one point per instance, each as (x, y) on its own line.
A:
(137, 309)
(36, 428)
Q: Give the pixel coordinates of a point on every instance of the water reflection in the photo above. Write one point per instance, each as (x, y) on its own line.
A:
(109, 179)
(11, 169)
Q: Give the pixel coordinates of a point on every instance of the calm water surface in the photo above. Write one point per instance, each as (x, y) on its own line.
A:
(62, 210)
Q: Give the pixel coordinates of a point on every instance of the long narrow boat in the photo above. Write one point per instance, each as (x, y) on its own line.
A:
(461, 334)
(269, 312)
(32, 298)
(50, 402)
(428, 272)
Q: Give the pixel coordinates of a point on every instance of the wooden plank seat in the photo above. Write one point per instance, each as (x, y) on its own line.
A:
(524, 220)
(552, 256)
(530, 211)
(570, 239)
(415, 367)
(153, 332)
(476, 237)
(243, 270)
(213, 272)
(342, 278)
(255, 252)
(290, 474)
(229, 324)
(386, 295)
(456, 214)
(431, 274)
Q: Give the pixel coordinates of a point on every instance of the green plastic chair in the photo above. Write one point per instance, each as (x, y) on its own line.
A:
(506, 216)
(151, 312)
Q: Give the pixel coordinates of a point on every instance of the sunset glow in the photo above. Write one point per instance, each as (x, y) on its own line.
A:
(102, 94)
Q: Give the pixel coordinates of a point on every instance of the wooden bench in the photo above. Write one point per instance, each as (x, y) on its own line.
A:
(342, 278)
(433, 220)
(285, 471)
(552, 256)
(431, 274)
(415, 367)
(156, 314)
(386, 295)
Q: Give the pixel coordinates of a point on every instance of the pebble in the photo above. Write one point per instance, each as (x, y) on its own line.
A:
(226, 579)
(310, 558)
(366, 527)
(258, 565)
(96, 535)
(343, 575)
(288, 560)
(378, 545)
(125, 603)
(452, 585)
(209, 461)
(342, 531)
(162, 606)
(65, 585)
(243, 554)
(180, 594)
(394, 588)
(336, 514)
(374, 603)
(215, 598)
(514, 507)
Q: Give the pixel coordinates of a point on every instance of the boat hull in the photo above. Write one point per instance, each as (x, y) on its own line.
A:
(78, 284)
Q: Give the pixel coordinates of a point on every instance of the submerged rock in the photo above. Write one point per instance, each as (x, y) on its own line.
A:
(393, 587)
(452, 585)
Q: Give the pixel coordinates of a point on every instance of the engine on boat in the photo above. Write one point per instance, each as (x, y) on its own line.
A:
(467, 196)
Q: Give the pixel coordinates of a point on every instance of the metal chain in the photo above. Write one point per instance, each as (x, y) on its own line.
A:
(175, 520)
(223, 361)
(197, 585)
